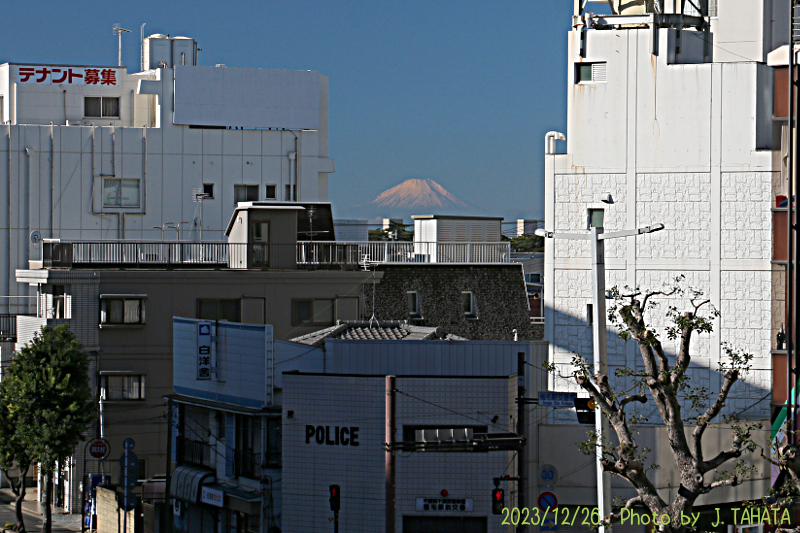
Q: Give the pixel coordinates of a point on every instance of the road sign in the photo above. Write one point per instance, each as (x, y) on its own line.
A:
(129, 470)
(548, 475)
(557, 399)
(129, 444)
(548, 523)
(98, 448)
(127, 501)
(547, 501)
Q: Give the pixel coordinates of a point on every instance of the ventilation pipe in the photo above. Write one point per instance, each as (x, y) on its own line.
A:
(550, 141)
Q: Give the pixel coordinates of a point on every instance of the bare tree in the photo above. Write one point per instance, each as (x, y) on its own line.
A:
(667, 384)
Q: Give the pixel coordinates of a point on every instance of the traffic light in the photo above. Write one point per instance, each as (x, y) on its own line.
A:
(336, 498)
(584, 408)
(498, 501)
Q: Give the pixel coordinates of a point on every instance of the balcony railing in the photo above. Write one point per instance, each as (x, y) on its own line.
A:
(8, 326)
(306, 254)
(247, 464)
(195, 452)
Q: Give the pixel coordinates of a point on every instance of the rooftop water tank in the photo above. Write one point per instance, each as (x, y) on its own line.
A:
(635, 7)
(163, 51)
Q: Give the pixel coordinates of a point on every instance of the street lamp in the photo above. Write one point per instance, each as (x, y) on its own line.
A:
(600, 342)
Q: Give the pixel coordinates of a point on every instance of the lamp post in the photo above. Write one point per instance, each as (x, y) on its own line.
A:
(600, 342)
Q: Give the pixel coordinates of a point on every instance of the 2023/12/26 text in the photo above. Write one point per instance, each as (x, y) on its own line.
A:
(590, 516)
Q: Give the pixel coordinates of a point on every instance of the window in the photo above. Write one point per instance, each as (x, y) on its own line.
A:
(219, 309)
(312, 312)
(120, 193)
(596, 217)
(468, 304)
(208, 190)
(589, 314)
(712, 8)
(590, 72)
(122, 309)
(101, 106)
(414, 309)
(122, 386)
(2, 111)
(272, 192)
(245, 193)
(57, 304)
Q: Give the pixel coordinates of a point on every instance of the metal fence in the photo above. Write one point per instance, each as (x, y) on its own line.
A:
(304, 254)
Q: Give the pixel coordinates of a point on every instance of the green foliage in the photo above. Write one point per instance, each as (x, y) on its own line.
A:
(383, 234)
(47, 396)
(527, 243)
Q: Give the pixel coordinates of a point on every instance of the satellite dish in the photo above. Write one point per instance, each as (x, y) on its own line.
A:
(36, 237)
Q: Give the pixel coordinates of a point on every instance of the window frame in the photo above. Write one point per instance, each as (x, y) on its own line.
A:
(594, 75)
(248, 188)
(104, 386)
(119, 204)
(207, 195)
(274, 191)
(105, 298)
(218, 301)
(472, 312)
(312, 322)
(102, 107)
(414, 304)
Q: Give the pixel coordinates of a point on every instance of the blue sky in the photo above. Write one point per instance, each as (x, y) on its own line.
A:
(458, 92)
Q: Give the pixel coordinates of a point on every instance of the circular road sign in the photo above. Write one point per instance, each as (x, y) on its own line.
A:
(99, 448)
(547, 501)
(129, 444)
(548, 475)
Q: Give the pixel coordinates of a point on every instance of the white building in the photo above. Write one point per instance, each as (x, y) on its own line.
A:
(676, 124)
(95, 152)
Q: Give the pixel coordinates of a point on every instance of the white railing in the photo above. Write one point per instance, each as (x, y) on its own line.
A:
(304, 254)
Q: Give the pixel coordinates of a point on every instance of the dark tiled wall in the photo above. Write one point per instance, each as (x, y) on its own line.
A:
(499, 291)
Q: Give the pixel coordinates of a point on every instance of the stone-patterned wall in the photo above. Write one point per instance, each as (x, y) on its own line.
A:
(499, 292)
(746, 225)
(574, 192)
(682, 203)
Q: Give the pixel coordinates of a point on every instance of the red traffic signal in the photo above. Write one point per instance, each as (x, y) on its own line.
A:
(336, 497)
(498, 501)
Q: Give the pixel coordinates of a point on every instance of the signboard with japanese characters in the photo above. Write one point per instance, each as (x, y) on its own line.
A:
(98, 76)
(445, 504)
(204, 350)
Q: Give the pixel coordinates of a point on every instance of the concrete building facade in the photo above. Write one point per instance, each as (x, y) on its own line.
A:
(96, 152)
(670, 120)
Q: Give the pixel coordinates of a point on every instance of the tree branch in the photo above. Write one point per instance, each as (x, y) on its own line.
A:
(731, 376)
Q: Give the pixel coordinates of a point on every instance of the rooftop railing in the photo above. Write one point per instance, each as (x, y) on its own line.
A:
(304, 254)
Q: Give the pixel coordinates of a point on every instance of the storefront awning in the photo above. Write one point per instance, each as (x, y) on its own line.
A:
(186, 482)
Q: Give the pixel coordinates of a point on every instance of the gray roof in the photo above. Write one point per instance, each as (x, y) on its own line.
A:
(394, 330)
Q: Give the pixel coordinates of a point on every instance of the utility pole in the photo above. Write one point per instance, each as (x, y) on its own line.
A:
(119, 31)
(521, 431)
(600, 343)
(391, 387)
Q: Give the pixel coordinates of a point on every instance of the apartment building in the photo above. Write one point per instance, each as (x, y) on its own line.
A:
(96, 152)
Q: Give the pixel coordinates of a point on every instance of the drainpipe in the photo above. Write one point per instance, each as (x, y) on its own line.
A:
(550, 141)
(26, 222)
(52, 177)
(7, 282)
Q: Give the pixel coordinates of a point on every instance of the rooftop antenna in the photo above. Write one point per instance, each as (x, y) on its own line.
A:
(141, 35)
(118, 30)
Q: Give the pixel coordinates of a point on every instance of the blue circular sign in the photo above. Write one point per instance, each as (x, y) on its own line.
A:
(547, 501)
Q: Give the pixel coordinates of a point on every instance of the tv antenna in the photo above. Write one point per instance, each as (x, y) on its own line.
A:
(119, 30)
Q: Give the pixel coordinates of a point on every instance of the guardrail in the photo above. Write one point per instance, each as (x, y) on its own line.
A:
(304, 254)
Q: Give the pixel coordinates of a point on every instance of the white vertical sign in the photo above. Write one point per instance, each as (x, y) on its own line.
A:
(204, 350)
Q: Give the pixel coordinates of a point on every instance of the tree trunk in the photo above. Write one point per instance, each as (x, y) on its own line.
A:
(18, 501)
(47, 525)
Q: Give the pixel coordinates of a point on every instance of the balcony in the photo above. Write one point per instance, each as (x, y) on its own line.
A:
(302, 255)
(247, 464)
(194, 452)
